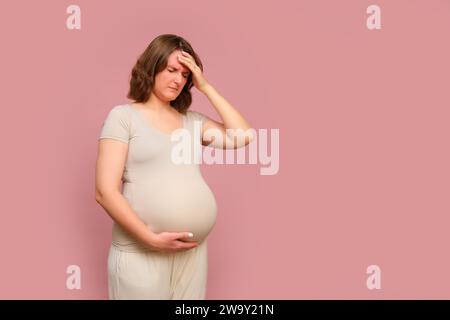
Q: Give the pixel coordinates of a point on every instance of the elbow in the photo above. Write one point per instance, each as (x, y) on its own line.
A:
(98, 196)
(102, 194)
(249, 136)
(240, 138)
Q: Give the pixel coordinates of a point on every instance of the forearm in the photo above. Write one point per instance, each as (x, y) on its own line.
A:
(231, 117)
(118, 208)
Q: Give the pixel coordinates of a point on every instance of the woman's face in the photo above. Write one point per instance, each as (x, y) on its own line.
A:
(170, 81)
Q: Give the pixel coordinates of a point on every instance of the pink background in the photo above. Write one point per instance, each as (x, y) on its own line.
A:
(364, 158)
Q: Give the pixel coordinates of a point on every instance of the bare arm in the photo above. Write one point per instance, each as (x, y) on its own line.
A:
(235, 132)
(109, 167)
(110, 164)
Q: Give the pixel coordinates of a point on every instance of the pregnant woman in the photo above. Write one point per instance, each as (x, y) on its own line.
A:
(162, 210)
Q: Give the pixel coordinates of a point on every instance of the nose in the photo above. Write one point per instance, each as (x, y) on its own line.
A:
(178, 79)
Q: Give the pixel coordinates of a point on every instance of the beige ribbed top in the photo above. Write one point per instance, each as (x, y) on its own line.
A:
(165, 195)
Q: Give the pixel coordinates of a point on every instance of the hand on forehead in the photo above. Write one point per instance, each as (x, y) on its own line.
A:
(174, 62)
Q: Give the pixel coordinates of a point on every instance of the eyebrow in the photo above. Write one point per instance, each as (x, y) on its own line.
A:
(170, 66)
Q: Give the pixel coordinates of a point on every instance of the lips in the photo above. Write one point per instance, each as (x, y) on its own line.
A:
(173, 88)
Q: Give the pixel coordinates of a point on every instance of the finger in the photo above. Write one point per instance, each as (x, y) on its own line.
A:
(185, 53)
(182, 60)
(188, 245)
(182, 246)
(185, 59)
(185, 243)
(185, 235)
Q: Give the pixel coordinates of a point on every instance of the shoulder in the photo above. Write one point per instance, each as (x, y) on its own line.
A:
(119, 111)
(119, 114)
(195, 115)
(120, 108)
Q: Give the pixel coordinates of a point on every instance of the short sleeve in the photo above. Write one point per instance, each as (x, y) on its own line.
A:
(197, 116)
(116, 125)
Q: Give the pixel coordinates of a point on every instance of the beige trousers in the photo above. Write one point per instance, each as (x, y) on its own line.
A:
(138, 273)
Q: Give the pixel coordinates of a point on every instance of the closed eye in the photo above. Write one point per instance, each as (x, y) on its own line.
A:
(184, 75)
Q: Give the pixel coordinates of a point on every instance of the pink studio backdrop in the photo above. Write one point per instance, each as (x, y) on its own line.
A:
(364, 158)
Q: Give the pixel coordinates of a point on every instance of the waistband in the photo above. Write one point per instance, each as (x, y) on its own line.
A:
(137, 247)
(131, 247)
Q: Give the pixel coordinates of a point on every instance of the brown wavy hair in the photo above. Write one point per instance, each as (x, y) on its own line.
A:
(152, 61)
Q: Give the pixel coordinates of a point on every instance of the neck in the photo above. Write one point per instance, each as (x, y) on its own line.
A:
(156, 104)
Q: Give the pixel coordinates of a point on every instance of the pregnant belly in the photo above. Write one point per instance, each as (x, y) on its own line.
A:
(176, 206)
